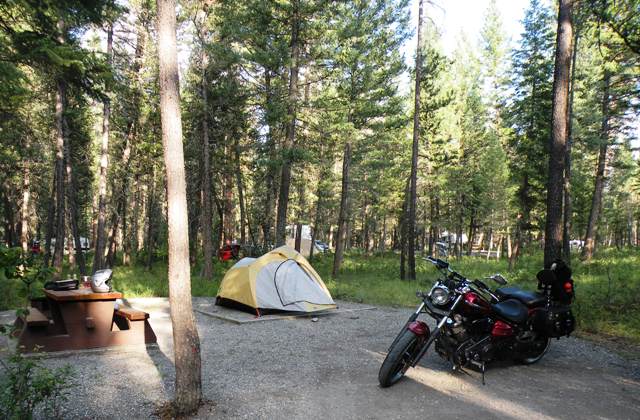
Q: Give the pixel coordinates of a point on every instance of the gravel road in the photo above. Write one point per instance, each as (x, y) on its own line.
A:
(297, 368)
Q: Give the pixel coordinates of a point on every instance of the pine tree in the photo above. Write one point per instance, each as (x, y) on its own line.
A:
(529, 116)
(364, 87)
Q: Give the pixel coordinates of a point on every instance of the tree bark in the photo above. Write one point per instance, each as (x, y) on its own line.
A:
(98, 258)
(58, 253)
(150, 216)
(568, 203)
(413, 192)
(403, 231)
(240, 187)
(185, 335)
(24, 211)
(267, 222)
(9, 229)
(51, 214)
(558, 144)
(285, 178)
(206, 218)
(344, 212)
(73, 207)
(596, 202)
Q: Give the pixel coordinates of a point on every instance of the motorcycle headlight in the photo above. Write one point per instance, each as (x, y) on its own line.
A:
(440, 295)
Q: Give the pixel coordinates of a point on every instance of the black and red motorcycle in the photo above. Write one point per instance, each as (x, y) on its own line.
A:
(476, 325)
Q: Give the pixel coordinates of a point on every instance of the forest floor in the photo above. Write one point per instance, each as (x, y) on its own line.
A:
(296, 368)
(608, 287)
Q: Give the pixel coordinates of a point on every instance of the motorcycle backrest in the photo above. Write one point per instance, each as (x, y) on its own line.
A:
(545, 278)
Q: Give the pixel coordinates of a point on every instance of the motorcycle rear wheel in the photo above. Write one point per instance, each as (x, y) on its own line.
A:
(545, 343)
(398, 360)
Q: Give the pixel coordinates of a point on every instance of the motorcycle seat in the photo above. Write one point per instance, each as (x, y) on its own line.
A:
(511, 310)
(531, 299)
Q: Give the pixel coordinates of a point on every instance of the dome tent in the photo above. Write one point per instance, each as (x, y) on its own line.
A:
(280, 280)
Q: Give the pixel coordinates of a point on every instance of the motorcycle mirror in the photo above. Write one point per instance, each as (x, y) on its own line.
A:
(499, 279)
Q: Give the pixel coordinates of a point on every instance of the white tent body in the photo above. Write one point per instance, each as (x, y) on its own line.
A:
(286, 286)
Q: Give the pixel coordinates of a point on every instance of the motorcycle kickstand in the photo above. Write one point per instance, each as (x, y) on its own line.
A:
(483, 369)
(460, 369)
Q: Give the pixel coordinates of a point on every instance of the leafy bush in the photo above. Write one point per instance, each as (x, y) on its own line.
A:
(28, 387)
(20, 277)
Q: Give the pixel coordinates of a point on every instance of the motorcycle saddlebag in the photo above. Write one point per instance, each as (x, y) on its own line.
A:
(556, 321)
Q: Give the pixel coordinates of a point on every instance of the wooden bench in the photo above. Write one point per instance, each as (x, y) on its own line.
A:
(131, 314)
(35, 318)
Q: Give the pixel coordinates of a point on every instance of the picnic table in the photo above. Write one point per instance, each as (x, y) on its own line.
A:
(81, 319)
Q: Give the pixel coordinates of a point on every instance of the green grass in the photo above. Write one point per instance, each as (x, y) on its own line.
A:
(608, 287)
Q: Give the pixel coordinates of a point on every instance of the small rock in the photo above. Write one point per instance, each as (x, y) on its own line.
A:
(314, 319)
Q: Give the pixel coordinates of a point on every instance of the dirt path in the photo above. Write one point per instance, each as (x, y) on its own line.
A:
(328, 369)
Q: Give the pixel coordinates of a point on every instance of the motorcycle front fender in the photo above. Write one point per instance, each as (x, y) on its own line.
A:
(420, 329)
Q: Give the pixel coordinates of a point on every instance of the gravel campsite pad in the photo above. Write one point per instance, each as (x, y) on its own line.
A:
(296, 368)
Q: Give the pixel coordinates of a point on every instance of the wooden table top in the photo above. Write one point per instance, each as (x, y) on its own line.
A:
(80, 294)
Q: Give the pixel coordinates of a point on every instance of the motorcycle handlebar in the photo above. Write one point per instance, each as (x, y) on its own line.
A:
(443, 265)
(437, 262)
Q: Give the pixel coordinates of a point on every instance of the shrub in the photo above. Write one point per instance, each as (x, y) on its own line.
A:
(27, 386)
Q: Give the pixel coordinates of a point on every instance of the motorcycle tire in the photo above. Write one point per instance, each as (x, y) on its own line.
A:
(534, 358)
(398, 359)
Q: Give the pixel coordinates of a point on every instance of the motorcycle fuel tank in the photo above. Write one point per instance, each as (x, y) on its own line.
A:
(474, 304)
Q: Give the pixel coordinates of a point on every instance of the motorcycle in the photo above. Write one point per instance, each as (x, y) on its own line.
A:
(476, 325)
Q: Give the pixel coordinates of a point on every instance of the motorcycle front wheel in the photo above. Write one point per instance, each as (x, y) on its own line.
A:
(399, 358)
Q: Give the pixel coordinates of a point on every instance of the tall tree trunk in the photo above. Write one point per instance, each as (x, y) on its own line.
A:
(186, 342)
(240, 186)
(124, 173)
(316, 224)
(9, 232)
(413, 192)
(58, 253)
(150, 216)
(73, 208)
(267, 222)
(568, 204)
(24, 211)
(558, 143)
(98, 258)
(514, 252)
(472, 232)
(285, 178)
(301, 213)
(403, 231)
(227, 191)
(206, 218)
(51, 214)
(344, 212)
(596, 202)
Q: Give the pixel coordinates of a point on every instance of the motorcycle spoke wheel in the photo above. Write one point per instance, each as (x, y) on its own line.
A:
(399, 358)
(541, 348)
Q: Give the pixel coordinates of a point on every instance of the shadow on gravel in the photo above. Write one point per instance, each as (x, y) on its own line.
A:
(548, 390)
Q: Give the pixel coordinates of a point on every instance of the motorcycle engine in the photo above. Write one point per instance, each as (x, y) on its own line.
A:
(464, 346)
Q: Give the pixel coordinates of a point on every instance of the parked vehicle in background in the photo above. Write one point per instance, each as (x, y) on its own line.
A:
(85, 245)
(322, 246)
(576, 243)
(35, 246)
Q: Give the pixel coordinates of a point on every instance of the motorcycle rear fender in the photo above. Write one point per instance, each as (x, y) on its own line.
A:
(420, 329)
